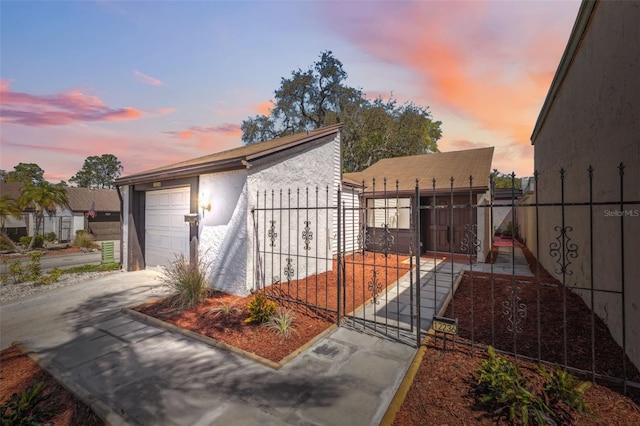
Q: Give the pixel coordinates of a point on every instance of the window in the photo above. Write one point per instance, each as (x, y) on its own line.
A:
(394, 212)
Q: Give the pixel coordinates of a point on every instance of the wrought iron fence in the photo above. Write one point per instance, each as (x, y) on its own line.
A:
(554, 287)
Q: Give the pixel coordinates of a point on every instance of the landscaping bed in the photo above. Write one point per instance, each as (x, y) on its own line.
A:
(309, 321)
(18, 372)
(442, 389)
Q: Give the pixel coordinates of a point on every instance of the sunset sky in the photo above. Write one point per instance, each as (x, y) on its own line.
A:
(157, 82)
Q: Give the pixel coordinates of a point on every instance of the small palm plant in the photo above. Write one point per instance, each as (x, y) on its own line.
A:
(225, 309)
(282, 323)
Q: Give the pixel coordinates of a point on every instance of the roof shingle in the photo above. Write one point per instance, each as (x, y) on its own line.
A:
(440, 166)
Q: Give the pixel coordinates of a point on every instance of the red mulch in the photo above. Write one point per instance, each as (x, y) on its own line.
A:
(18, 372)
(441, 392)
(318, 290)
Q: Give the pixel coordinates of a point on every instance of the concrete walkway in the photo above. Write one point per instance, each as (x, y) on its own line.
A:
(510, 260)
(133, 373)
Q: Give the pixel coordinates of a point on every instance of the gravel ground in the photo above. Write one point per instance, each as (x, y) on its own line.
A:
(9, 292)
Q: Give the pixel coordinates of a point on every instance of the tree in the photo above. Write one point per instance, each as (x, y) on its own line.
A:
(372, 129)
(98, 172)
(26, 174)
(43, 197)
(504, 180)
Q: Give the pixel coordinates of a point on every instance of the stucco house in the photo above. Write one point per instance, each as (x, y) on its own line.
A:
(212, 207)
(93, 210)
(450, 207)
(591, 119)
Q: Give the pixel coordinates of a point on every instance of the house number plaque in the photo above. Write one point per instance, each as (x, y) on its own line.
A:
(445, 325)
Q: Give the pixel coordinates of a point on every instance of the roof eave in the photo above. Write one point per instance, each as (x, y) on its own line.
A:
(183, 172)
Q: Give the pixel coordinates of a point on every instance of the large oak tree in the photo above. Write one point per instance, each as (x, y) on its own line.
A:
(373, 129)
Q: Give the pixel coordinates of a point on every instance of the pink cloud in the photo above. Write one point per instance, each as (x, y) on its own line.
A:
(225, 135)
(486, 62)
(59, 109)
(227, 129)
(263, 108)
(147, 79)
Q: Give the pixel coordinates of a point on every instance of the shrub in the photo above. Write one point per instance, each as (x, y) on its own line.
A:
(80, 232)
(188, 282)
(38, 242)
(50, 237)
(564, 391)
(34, 269)
(502, 387)
(16, 273)
(84, 240)
(260, 308)
(282, 323)
(50, 278)
(23, 409)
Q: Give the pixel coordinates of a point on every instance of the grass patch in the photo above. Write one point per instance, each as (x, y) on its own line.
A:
(92, 268)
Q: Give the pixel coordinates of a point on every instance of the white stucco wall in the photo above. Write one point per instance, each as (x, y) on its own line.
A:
(594, 121)
(305, 171)
(351, 223)
(223, 234)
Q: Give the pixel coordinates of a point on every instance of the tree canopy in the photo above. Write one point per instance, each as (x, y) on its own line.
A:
(98, 172)
(24, 173)
(373, 130)
(504, 180)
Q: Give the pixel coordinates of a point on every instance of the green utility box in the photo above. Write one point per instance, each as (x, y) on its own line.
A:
(107, 252)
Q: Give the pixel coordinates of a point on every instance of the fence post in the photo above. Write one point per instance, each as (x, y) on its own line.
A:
(416, 212)
(339, 255)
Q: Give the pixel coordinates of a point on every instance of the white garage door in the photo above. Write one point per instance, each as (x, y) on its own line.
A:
(166, 232)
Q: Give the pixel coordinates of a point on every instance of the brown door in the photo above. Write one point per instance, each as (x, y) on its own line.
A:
(449, 226)
(439, 227)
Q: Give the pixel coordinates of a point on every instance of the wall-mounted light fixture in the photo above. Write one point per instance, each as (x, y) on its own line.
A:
(205, 203)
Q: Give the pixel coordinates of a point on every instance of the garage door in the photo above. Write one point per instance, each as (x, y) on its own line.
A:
(166, 232)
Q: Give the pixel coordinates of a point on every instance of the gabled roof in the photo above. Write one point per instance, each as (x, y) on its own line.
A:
(425, 167)
(237, 158)
(79, 199)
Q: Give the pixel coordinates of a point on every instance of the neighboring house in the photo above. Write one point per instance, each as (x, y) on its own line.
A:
(591, 117)
(96, 211)
(93, 210)
(447, 214)
(213, 203)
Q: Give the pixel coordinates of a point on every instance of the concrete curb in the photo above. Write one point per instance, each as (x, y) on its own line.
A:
(101, 409)
(221, 345)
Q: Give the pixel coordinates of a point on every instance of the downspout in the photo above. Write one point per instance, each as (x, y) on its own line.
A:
(121, 222)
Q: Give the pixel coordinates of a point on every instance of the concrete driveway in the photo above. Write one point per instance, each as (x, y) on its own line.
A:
(67, 309)
(133, 373)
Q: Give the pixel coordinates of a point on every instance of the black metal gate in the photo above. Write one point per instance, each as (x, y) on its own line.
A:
(391, 260)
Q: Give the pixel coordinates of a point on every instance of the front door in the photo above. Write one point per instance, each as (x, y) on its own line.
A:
(448, 226)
